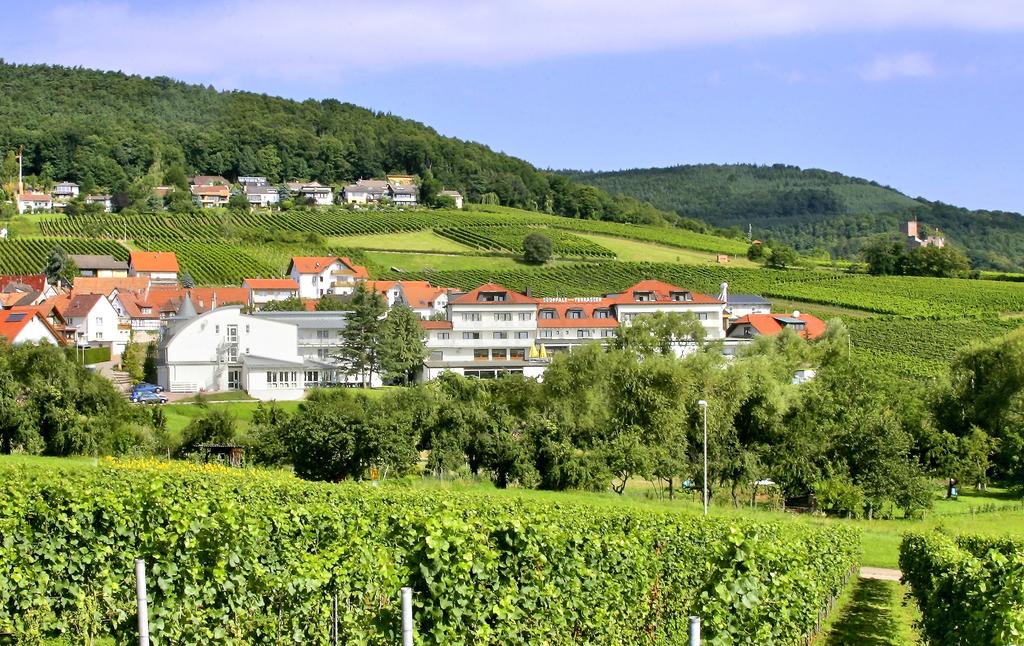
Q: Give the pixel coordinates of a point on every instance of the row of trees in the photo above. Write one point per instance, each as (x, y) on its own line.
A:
(126, 133)
(887, 257)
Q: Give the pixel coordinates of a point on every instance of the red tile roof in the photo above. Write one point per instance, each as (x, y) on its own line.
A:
(41, 311)
(770, 324)
(561, 309)
(33, 197)
(80, 305)
(312, 264)
(35, 281)
(472, 297)
(420, 293)
(93, 285)
(662, 294)
(270, 283)
(358, 270)
(13, 321)
(161, 261)
(436, 325)
(215, 190)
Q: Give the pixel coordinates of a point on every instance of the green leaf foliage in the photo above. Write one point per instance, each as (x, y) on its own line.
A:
(255, 557)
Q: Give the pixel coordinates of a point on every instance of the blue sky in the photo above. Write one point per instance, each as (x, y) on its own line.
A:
(922, 95)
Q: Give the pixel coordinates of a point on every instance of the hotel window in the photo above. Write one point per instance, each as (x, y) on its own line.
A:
(501, 335)
(480, 355)
(443, 335)
(499, 355)
(602, 314)
(323, 334)
(471, 316)
(682, 296)
(526, 316)
(703, 316)
(312, 377)
(547, 334)
(548, 314)
(607, 333)
(471, 336)
(323, 353)
(643, 297)
(584, 334)
(522, 335)
(518, 354)
(232, 334)
(436, 355)
(232, 353)
(503, 316)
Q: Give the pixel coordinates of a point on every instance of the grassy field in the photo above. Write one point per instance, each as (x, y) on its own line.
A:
(442, 262)
(637, 251)
(411, 241)
(871, 613)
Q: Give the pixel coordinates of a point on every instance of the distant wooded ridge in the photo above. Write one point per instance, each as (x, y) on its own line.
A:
(812, 209)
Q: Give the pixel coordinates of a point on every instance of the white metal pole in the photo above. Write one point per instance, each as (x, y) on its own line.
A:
(694, 631)
(140, 594)
(406, 616)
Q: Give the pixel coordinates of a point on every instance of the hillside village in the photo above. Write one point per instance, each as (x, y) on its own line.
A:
(215, 191)
(233, 338)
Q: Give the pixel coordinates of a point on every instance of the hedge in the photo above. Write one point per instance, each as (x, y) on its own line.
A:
(96, 355)
(255, 557)
(970, 589)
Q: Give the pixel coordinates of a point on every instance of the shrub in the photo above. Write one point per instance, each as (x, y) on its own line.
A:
(537, 248)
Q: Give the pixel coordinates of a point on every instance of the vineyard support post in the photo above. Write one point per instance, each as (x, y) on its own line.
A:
(406, 616)
(694, 631)
(334, 620)
(140, 594)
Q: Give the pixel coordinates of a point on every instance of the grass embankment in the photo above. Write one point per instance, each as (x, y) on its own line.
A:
(442, 262)
(628, 250)
(411, 241)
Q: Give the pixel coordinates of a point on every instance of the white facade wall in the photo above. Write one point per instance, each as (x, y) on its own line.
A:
(709, 314)
(325, 282)
(101, 327)
(35, 331)
(497, 328)
(157, 277)
(31, 206)
(261, 296)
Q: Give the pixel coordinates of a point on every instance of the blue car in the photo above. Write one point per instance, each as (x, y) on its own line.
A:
(143, 387)
(149, 397)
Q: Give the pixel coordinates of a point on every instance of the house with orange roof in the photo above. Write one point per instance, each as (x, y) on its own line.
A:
(27, 325)
(210, 196)
(650, 296)
(563, 323)
(161, 267)
(266, 290)
(319, 276)
(31, 202)
(806, 325)
(493, 330)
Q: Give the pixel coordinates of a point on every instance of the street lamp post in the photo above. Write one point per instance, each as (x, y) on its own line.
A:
(703, 404)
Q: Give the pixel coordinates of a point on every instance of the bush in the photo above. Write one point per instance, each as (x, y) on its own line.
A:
(96, 355)
(537, 248)
(255, 557)
(970, 589)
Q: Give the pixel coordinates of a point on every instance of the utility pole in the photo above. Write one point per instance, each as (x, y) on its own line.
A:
(21, 184)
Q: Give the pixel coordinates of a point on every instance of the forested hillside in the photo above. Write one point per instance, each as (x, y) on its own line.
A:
(813, 209)
(108, 131)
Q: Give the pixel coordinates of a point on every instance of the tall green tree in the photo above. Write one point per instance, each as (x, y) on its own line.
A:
(537, 248)
(57, 265)
(430, 188)
(402, 345)
(360, 353)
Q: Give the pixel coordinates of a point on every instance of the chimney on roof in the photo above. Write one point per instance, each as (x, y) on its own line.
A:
(529, 291)
(213, 300)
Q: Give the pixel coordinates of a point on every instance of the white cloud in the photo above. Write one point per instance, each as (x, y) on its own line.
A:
(908, 65)
(324, 39)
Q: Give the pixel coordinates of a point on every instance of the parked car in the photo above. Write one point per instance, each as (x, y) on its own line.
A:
(149, 397)
(143, 387)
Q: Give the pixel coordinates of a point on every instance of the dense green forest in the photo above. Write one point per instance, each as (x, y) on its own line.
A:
(110, 131)
(813, 209)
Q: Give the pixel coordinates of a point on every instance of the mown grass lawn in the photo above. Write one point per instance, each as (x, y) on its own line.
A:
(410, 241)
(442, 262)
(628, 250)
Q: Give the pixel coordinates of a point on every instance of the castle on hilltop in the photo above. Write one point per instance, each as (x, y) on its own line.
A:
(914, 240)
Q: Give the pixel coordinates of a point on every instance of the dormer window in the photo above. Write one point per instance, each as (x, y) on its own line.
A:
(492, 297)
(574, 314)
(602, 314)
(548, 314)
(644, 297)
(681, 297)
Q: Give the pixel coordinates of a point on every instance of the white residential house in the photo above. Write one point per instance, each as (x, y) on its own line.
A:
(32, 202)
(105, 200)
(65, 191)
(270, 355)
(27, 325)
(252, 181)
(262, 195)
(266, 290)
(418, 295)
(96, 323)
(161, 267)
(320, 194)
(365, 191)
(320, 276)
(490, 330)
(456, 197)
(403, 194)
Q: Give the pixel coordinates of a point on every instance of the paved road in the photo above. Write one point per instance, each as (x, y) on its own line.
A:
(880, 573)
